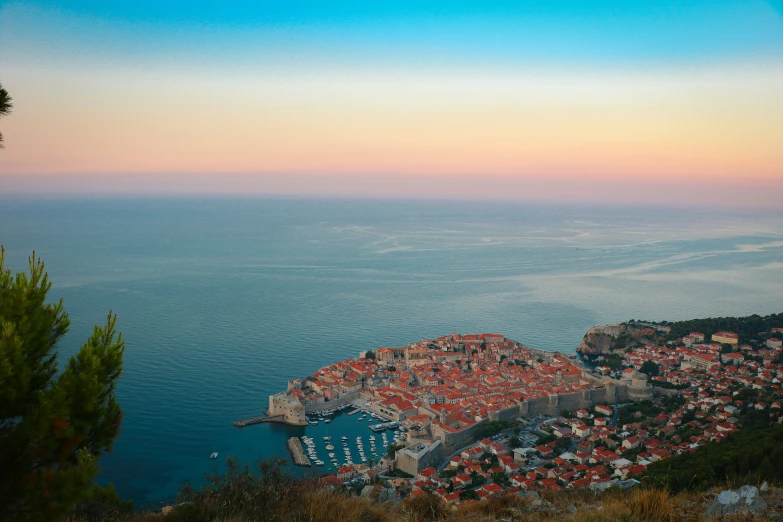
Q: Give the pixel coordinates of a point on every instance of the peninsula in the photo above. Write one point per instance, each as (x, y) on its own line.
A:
(481, 415)
(454, 390)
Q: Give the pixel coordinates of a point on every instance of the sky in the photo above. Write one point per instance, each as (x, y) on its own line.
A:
(616, 101)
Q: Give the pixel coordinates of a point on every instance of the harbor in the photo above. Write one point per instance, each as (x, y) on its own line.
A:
(335, 438)
(349, 434)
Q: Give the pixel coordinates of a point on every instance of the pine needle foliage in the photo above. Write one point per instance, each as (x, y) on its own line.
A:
(5, 107)
(53, 425)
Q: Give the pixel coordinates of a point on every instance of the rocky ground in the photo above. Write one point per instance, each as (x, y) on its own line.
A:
(748, 503)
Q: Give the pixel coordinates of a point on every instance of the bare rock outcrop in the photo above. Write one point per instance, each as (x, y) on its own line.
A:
(606, 339)
(744, 501)
(599, 339)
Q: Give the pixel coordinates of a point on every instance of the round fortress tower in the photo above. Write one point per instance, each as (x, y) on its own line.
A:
(289, 407)
(639, 388)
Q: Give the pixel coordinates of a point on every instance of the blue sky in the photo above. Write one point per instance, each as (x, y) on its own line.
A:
(298, 12)
(512, 33)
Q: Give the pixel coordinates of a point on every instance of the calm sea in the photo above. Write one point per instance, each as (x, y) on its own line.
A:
(222, 301)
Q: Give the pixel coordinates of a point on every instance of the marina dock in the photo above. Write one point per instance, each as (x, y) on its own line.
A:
(297, 452)
(354, 412)
(259, 420)
(383, 426)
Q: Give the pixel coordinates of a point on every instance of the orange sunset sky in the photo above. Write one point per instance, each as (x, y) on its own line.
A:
(497, 102)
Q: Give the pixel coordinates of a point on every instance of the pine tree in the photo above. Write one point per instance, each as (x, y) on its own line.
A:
(766, 469)
(53, 425)
(5, 108)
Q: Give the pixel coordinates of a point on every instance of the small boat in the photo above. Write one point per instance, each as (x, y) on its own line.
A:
(214, 455)
(329, 447)
(327, 421)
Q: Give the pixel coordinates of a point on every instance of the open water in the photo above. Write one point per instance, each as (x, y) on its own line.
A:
(222, 301)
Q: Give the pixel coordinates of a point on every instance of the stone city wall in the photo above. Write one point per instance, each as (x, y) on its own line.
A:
(536, 353)
(336, 403)
(454, 440)
(552, 405)
(508, 414)
(666, 391)
(556, 404)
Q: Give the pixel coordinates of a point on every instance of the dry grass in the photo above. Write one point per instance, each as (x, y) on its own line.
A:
(507, 506)
(641, 504)
(327, 507)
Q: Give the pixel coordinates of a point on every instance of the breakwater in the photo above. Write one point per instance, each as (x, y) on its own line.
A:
(259, 420)
(297, 452)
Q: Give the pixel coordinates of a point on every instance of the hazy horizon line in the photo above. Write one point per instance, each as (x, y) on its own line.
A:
(243, 196)
(593, 190)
